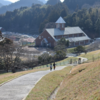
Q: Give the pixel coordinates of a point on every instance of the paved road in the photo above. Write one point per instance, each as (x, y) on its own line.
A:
(19, 88)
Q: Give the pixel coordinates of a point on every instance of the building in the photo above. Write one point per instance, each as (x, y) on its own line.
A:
(1, 37)
(75, 35)
(27, 41)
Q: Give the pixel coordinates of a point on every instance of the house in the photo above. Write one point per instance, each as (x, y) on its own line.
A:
(50, 36)
(1, 37)
(27, 41)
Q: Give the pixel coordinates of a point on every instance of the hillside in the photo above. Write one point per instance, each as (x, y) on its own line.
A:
(29, 20)
(77, 4)
(5, 2)
(44, 1)
(53, 2)
(1, 5)
(82, 84)
(33, 19)
(21, 3)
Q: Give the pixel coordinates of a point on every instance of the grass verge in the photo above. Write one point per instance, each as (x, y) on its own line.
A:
(94, 55)
(48, 84)
(9, 76)
(82, 84)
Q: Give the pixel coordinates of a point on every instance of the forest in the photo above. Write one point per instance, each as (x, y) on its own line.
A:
(32, 20)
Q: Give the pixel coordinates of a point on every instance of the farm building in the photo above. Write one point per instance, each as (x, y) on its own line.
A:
(50, 36)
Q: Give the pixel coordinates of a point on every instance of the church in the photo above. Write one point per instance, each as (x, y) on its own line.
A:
(50, 36)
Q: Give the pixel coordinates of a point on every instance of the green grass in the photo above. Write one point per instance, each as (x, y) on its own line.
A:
(70, 50)
(48, 84)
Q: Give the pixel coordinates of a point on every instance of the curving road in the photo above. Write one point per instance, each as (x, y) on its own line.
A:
(19, 88)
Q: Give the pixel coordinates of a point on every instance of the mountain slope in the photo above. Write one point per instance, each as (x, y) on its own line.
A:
(53, 2)
(1, 5)
(4, 2)
(29, 20)
(44, 1)
(16, 5)
(75, 4)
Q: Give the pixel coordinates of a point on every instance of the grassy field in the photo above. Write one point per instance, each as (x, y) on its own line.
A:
(82, 84)
(91, 55)
(70, 50)
(48, 84)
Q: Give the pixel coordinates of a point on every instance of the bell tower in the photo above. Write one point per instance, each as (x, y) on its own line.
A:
(60, 24)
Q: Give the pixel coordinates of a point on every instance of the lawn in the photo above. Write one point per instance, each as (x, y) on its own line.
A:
(48, 84)
(82, 84)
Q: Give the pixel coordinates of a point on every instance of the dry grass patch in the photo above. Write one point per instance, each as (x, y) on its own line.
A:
(90, 55)
(82, 84)
(9, 76)
(48, 84)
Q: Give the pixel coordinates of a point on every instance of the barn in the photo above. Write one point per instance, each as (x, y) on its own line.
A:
(50, 36)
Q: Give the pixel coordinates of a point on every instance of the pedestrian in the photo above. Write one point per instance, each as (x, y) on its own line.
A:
(54, 65)
(50, 67)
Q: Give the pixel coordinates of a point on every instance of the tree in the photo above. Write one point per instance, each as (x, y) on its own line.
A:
(60, 54)
(80, 49)
(63, 41)
(9, 59)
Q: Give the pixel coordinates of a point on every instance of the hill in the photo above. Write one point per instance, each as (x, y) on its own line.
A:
(1, 5)
(44, 1)
(77, 4)
(21, 3)
(5, 2)
(29, 20)
(53, 2)
(33, 19)
(82, 84)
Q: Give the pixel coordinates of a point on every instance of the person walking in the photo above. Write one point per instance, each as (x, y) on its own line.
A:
(54, 65)
(50, 67)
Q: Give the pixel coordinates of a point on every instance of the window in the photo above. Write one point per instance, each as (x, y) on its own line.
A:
(58, 25)
(39, 37)
(62, 25)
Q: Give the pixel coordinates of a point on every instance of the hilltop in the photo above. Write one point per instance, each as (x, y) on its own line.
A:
(33, 18)
(78, 4)
(5, 2)
(19, 4)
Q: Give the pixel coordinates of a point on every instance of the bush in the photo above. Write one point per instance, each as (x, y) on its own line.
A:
(60, 54)
(79, 49)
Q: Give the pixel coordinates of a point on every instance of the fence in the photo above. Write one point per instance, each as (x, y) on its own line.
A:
(60, 63)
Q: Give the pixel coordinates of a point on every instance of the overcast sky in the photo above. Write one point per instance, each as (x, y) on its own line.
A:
(18, 0)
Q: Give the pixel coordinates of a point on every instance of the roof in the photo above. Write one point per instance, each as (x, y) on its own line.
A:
(68, 30)
(75, 39)
(0, 28)
(29, 40)
(60, 20)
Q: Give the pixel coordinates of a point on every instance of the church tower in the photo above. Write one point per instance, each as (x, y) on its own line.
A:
(60, 24)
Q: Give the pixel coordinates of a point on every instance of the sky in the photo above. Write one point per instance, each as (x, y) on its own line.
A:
(18, 0)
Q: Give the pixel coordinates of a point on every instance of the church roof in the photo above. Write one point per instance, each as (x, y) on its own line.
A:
(60, 20)
(0, 28)
(68, 30)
